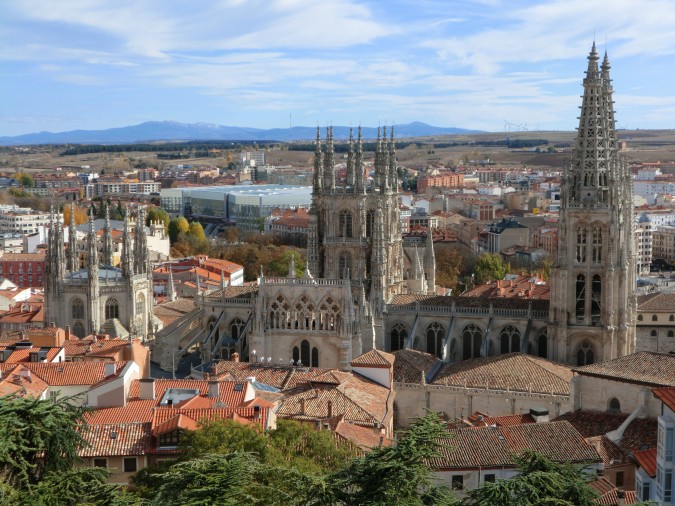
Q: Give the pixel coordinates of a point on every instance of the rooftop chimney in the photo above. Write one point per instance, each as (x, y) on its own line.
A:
(302, 406)
(67, 332)
(540, 415)
(214, 389)
(330, 409)
(147, 389)
(109, 369)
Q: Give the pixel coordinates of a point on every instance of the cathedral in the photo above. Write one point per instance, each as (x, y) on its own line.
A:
(365, 289)
(90, 295)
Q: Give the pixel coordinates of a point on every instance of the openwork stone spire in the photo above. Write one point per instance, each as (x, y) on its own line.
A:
(73, 259)
(595, 160)
(107, 239)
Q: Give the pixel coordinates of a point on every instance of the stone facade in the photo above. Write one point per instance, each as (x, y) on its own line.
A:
(99, 297)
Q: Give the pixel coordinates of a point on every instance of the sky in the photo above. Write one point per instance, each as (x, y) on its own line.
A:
(485, 64)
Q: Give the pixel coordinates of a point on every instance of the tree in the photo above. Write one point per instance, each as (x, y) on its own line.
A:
(541, 481)
(396, 475)
(158, 214)
(80, 215)
(25, 179)
(177, 226)
(37, 437)
(448, 266)
(231, 234)
(196, 231)
(489, 267)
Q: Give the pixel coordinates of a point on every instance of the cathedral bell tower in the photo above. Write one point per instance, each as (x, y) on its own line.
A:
(593, 305)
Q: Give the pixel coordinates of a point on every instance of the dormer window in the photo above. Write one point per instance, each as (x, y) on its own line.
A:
(170, 439)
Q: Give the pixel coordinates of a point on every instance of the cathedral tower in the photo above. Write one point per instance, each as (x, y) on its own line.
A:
(592, 311)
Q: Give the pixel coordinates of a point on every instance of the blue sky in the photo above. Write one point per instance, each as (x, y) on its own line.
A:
(487, 64)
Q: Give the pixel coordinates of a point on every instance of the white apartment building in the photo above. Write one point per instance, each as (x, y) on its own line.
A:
(664, 243)
(103, 188)
(643, 244)
(21, 220)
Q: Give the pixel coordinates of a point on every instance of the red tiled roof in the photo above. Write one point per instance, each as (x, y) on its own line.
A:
(647, 460)
(119, 439)
(610, 453)
(374, 358)
(513, 371)
(493, 447)
(660, 301)
(410, 365)
(666, 395)
(646, 368)
(70, 373)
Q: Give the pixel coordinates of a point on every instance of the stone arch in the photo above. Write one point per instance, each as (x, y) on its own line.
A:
(639, 317)
(77, 309)
(585, 353)
(509, 339)
(435, 334)
(613, 405)
(279, 313)
(112, 308)
(472, 341)
(305, 354)
(398, 336)
(305, 313)
(236, 328)
(329, 314)
(655, 318)
(671, 333)
(654, 333)
(345, 223)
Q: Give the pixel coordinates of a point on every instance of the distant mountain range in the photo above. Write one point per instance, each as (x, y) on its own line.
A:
(152, 131)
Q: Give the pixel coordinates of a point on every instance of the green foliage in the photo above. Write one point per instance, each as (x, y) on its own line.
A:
(37, 437)
(18, 192)
(196, 231)
(489, 267)
(26, 180)
(541, 481)
(449, 262)
(178, 226)
(224, 437)
(158, 214)
(396, 475)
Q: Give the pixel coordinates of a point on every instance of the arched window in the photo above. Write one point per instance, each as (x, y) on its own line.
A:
(279, 313)
(639, 317)
(654, 333)
(296, 354)
(670, 333)
(655, 318)
(581, 244)
(510, 339)
(112, 309)
(315, 357)
(398, 336)
(140, 304)
(78, 329)
(329, 315)
(345, 265)
(614, 406)
(236, 327)
(671, 318)
(581, 297)
(472, 340)
(542, 345)
(77, 309)
(370, 222)
(597, 244)
(345, 224)
(435, 335)
(304, 352)
(585, 354)
(596, 297)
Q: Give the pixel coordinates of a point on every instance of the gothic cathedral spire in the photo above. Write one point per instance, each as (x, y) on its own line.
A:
(593, 281)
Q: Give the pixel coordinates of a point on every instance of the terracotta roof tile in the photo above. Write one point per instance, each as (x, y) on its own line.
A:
(493, 447)
(409, 365)
(666, 395)
(119, 439)
(70, 373)
(513, 371)
(610, 453)
(655, 369)
(647, 460)
(374, 358)
(662, 301)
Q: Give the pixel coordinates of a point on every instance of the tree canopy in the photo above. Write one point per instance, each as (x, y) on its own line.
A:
(490, 267)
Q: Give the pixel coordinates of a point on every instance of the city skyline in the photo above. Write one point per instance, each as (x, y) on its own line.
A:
(486, 65)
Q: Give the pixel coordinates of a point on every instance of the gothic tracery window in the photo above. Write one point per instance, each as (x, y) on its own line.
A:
(510, 339)
(596, 297)
(472, 340)
(585, 354)
(597, 244)
(236, 328)
(77, 309)
(78, 329)
(370, 222)
(329, 315)
(435, 335)
(581, 244)
(345, 224)
(542, 345)
(398, 336)
(112, 309)
(344, 265)
(581, 297)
